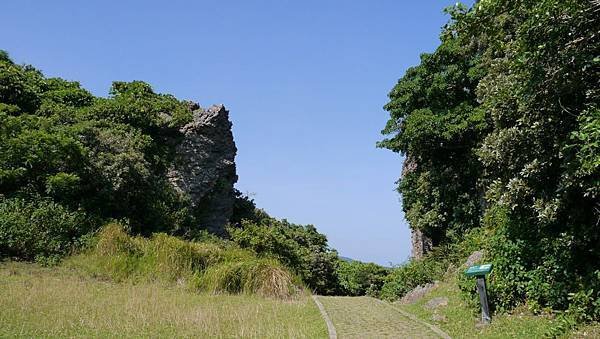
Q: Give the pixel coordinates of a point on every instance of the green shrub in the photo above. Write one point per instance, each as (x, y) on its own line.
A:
(300, 248)
(41, 230)
(435, 265)
(547, 275)
(502, 120)
(244, 208)
(357, 278)
(415, 273)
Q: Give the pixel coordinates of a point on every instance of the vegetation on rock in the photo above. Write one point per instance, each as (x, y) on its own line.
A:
(105, 158)
(500, 129)
(71, 162)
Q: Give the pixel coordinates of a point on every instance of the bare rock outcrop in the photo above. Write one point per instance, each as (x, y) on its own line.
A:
(421, 244)
(204, 167)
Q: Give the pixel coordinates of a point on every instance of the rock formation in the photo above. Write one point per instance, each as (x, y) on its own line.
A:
(421, 243)
(204, 167)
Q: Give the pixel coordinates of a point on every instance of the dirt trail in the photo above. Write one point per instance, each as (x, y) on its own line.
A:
(364, 317)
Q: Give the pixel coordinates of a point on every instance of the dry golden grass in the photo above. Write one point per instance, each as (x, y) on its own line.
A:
(57, 302)
(201, 266)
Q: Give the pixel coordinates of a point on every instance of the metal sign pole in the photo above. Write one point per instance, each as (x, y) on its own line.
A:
(479, 272)
(481, 289)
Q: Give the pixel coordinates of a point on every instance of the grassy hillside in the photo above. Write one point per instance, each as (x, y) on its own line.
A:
(61, 302)
(459, 320)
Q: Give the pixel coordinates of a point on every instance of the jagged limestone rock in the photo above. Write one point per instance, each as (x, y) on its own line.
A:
(204, 167)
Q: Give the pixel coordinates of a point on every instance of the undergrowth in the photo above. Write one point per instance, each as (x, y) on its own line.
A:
(442, 262)
(201, 266)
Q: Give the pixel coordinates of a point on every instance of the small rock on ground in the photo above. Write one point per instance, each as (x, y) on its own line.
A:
(474, 258)
(440, 318)
(437, 302)
(417, 293)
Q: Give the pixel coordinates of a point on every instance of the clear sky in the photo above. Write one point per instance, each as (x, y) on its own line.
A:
(304, 80)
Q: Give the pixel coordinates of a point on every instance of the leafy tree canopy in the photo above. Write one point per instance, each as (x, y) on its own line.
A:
(500, 128)
(104, 156)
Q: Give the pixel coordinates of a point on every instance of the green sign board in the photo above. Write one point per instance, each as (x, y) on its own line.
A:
(478, 270)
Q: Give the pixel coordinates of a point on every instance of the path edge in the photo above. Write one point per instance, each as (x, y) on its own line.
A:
(330, 327)
(412, 317)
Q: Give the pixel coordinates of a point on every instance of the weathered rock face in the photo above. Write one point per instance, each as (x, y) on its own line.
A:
(421, 243)
(204, 167)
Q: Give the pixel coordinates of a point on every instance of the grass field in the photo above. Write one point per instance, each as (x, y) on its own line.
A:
(61, 302)
(57, 302)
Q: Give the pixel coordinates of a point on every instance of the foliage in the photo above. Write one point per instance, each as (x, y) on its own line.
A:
(406, 277)
(301, 248)
(442, 262)
(107, 159)
(211, 267)
(41, 230)
(459, 319)
(358, 278)
(103, 157)
(502, 121)
(244, 208)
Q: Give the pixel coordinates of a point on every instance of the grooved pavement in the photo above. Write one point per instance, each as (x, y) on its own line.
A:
(364, 317)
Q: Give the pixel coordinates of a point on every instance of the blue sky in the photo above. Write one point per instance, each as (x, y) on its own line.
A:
(305, 82)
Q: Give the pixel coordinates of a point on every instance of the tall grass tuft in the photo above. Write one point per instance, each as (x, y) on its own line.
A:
(263, 276)
(201, 266)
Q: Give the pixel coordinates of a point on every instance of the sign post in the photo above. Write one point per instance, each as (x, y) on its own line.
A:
(479, 272)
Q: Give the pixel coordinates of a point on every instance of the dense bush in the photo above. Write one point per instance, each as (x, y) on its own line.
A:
(105, 158)
(210, 267)
(405, 278)
(244, 208)
(41, 230)
(520, 276)
(502, 121)
(300, 248)
(357, 278)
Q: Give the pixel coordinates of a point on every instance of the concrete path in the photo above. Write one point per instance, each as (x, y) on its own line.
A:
(365, 317)
(330, 327)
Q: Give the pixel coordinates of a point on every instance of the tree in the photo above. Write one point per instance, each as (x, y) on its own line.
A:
(500, 129)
